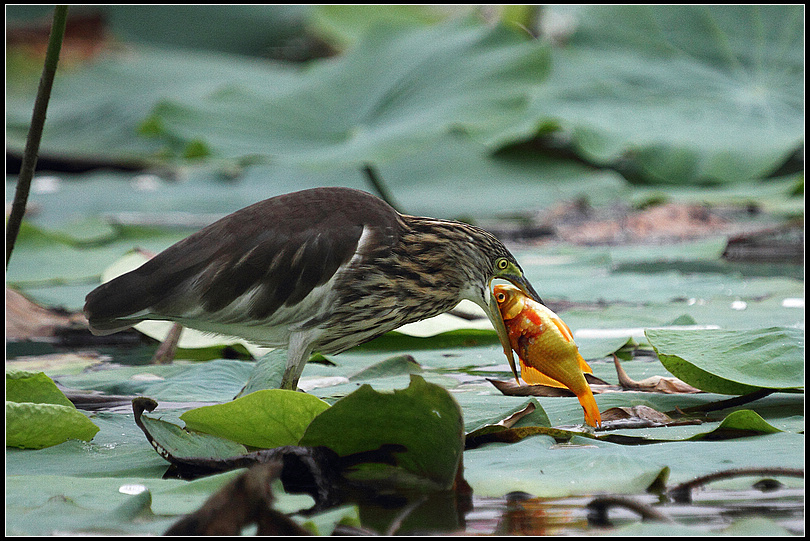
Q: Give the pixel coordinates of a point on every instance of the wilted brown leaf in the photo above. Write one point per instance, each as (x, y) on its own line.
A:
(26, 320)
(508, 422)
(655, 384)
(511, 388)
(640, 417)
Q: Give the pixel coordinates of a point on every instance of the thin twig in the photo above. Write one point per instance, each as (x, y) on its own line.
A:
(29, 158)
(729, 402)
(598, 510)
(683, 492)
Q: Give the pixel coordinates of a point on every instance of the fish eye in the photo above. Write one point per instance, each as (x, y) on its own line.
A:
(500, 297)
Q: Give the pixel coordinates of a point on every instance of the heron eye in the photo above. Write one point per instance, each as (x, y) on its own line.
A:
(502, 263)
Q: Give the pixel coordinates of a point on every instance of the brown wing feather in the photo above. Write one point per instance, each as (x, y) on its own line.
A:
(284, 246)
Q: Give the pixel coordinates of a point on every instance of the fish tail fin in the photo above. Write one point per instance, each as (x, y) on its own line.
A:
(588, 402)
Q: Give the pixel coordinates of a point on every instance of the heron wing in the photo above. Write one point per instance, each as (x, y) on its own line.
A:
(248, 265)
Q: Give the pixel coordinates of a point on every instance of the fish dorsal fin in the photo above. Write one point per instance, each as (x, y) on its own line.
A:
(564, 330)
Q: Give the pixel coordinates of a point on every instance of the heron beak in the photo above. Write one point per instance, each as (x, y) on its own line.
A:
(495, 317)
(524, 285)
(503, 335)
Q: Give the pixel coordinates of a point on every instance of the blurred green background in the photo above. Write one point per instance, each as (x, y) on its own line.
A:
(619, 149)
(171, 116)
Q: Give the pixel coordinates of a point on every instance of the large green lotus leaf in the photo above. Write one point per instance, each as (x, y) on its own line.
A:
(733, 361)
(346, 24)
(62, 508)
(424, 418)
(486, 185)
(535, 465)
(394, 93)
(212, 381)
(586, 466)
(59, 503)
(747, 527)
(268, 418)
(686, 93)
(119, 449)
(97, 110)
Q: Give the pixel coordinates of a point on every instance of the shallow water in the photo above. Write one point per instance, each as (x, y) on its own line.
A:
(711, 511)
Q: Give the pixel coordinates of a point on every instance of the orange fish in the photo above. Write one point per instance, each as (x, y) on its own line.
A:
(546, 348)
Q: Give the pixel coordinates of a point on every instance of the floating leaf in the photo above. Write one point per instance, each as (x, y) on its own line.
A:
(173, 442)
(39, 415)
(526, 421)
(738, 424)
(424, 418)
(36, 387)
(35, 426)
(733, 362)
(265, 419)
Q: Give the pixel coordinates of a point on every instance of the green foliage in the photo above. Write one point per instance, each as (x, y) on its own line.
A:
(667, 95)
(454, 77)
(689, 94)
(424, 418)
(731, 361)
(35, 387)
(39, 415)
(265, 419)
(182, 443)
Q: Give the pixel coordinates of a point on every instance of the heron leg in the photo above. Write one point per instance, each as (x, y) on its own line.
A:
(167, 349)
(298, 353)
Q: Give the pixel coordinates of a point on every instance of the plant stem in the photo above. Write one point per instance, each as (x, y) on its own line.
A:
(379, 186)
(29, 158)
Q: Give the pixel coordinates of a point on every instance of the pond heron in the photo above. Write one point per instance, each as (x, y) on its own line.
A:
(319, 270)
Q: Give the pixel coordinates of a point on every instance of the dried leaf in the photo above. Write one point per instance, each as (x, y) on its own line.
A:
(654, 384)
(518, 415)
(26, 320)
(640, 417)
(511, 388)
